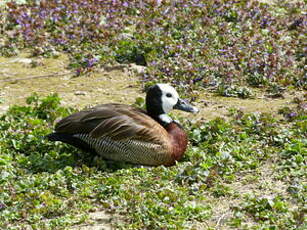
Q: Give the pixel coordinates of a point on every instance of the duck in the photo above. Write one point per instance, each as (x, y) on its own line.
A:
(121, 132)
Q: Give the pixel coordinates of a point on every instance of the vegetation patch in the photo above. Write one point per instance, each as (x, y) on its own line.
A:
(52, 185)
(189, 43)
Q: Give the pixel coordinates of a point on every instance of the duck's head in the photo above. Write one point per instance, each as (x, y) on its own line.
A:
(161, 99)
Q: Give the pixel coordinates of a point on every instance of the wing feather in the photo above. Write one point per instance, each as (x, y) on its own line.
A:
(116, 121)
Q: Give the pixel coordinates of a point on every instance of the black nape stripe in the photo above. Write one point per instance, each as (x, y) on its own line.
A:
(154, 101)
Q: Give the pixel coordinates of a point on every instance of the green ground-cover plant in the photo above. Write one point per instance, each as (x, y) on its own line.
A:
(190, 43)
(53, 186)
(269, 212)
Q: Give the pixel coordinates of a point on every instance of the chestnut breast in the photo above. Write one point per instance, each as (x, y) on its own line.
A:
(178, 141)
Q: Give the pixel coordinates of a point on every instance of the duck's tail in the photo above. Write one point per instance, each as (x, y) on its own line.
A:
(71, 140)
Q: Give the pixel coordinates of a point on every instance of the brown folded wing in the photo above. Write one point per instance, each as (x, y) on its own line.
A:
(116, 121)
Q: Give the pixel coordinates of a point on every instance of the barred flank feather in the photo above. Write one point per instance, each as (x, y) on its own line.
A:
(135, 151)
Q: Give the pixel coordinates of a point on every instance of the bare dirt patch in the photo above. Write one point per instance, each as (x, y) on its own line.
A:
(114, 85)
(19, 79)
(99, 220)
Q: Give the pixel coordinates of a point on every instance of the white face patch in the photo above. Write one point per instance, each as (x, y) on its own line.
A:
(169, 97)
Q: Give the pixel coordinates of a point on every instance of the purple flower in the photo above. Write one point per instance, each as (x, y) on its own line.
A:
(78, 71)
(293, 114)
(197, 79)
(304, 106)
(91, 62)
(2, 206)
(60, 41)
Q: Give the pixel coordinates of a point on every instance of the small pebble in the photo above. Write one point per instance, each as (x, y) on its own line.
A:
(80, 93)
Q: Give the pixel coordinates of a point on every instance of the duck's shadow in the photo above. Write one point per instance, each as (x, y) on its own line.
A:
(68, 156)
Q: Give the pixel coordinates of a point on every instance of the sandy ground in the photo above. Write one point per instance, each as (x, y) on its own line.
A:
(51, 76)
(116, 84)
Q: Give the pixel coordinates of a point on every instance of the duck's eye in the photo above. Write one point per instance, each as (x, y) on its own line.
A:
(169, 95)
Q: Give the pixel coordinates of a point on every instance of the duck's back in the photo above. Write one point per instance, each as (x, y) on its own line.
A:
(117, 132)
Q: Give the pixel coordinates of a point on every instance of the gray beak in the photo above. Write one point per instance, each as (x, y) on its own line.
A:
(185, 106)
